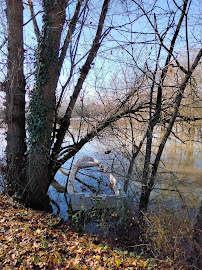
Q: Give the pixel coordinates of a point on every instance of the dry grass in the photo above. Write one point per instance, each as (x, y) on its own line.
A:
(171, 235)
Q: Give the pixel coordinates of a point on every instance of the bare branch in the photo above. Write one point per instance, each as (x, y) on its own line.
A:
(84, 72)
(172, 120)
(33, 18)
(71, 30)
(3, 43)
(73, 149)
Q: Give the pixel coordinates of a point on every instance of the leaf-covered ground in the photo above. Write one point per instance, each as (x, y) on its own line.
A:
(36, 240)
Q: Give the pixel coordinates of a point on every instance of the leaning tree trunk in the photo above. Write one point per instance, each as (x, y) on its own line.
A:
(15, 100)
(42, 104)
(144, 199)
(148, 184)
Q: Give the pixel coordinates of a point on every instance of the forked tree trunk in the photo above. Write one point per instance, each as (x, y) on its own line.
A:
(144, 199)
(148, 181)
(31, 179)
(15, 100)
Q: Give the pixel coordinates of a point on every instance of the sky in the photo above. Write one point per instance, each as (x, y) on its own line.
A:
(131, 37)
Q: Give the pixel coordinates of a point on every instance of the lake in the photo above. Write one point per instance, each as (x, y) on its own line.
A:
(180, 172)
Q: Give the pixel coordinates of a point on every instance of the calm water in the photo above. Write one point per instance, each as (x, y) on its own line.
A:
(180, 172)
(180, 169)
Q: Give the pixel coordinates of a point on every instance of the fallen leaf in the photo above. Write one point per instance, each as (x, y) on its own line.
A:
(97, 257)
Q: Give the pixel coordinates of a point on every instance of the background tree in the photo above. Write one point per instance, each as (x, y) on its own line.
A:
(164, 42)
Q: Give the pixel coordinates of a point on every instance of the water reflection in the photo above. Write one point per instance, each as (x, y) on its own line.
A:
(185, 156)
(180, 169)
(181, 164)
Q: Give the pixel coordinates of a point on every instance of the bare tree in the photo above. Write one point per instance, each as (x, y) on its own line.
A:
(159, 87)
(31, 184)
(60, 50)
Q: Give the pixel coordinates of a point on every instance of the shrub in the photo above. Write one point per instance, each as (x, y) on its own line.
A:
(170, 234)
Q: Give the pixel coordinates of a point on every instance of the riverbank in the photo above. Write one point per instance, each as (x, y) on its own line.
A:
(37, 240)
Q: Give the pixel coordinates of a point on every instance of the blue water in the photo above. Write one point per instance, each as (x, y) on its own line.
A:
(115, 162)
(92, 176)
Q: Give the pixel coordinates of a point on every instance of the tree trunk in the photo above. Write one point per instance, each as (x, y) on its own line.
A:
(31, 179)
(15, 100)
(42, 104)
(148, 184)
(144, 200)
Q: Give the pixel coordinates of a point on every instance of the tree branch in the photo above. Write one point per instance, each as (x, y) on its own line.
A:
(3, 43)
(73, 149)
(33, 18)
(70, 32)
(173, 118)
(84, 72)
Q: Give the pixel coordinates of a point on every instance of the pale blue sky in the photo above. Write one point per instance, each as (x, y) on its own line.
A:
(113, 58)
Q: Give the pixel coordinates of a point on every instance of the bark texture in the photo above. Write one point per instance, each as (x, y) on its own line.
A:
(42, 105)
(15, 100)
